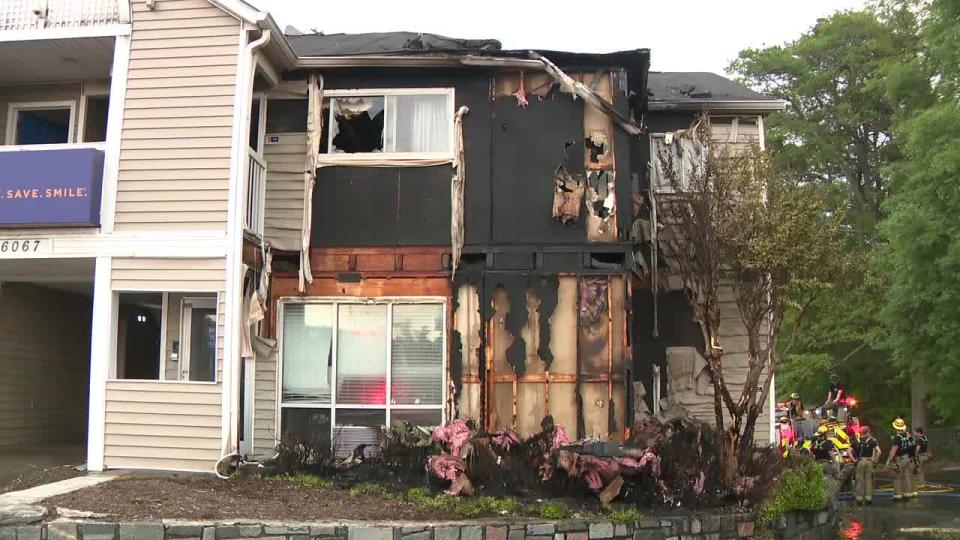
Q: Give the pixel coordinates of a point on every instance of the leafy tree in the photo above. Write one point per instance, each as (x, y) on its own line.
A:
(922, 258)
(736, 225)
(844, 82)
(848, 83)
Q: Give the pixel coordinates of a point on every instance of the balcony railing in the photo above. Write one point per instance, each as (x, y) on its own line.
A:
(40, 14)
(256, 192)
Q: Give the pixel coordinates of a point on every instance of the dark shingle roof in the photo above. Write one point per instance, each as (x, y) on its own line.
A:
(697, 87)
(385, 43)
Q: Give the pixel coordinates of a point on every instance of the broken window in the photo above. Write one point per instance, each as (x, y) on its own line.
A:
(398, 123)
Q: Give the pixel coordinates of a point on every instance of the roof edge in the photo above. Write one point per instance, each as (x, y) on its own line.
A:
(744, 105)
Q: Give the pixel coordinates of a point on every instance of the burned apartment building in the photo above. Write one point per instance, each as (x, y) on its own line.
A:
(476, 241)
(207, 243)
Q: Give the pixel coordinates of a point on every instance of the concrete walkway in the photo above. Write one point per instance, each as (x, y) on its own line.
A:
(20, 507)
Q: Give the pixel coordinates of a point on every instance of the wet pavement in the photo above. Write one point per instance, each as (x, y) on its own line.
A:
(935, 514)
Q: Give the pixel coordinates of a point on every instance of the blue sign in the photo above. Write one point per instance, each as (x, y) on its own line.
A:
(58, 187)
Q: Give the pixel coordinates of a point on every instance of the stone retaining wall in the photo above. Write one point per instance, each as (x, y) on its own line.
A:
(817, 525)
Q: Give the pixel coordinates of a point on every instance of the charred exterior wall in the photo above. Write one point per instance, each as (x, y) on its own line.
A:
(540, 307)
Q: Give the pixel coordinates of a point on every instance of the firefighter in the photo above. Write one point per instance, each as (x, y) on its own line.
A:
(900, 461)
(866, 452)
(921, 456)
(795, 407)
(788, 437)
(825, 450)
(835, 395)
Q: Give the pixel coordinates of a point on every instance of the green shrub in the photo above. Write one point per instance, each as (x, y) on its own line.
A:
(800, 488)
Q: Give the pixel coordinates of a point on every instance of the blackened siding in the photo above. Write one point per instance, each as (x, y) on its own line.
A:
(528, 146)
(404, 206)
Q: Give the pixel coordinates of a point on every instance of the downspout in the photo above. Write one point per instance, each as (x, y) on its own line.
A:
(232, 317)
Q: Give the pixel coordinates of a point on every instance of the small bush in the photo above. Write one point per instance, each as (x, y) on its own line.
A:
(800, 488)
(624, 514)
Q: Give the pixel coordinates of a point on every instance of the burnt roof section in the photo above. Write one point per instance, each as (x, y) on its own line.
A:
(423, 44)
(307, 45)
(697, 87)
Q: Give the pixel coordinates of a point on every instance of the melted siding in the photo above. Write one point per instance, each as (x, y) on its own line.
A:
(178, 117)
(284, 201)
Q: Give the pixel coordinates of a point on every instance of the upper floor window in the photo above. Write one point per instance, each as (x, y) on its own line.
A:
(40, 123)
(392, 124)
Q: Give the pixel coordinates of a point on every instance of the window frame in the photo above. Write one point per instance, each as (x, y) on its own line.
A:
(164, 352)
(14, 108)
(332, 406)
(331, 157)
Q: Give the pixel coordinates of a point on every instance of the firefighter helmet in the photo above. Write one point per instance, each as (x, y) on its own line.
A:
(899, 424)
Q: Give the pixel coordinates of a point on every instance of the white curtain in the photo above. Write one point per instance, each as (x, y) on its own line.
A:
(421, 123)
(307, 349)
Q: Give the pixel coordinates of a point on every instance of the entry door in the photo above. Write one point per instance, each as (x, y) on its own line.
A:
(199, 340)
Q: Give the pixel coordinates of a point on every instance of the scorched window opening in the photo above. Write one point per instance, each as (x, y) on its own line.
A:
(389, 124)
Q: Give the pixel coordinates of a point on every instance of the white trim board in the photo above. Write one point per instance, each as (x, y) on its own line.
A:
(174, 245)
(103, 30)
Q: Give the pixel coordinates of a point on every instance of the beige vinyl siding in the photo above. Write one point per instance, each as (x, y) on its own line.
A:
(265, 405)
(283, 218)
(38, 93)
(178, 117)
(162, 425)
(44, 365)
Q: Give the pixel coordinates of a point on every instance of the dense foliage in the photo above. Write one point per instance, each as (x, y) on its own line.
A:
(872, 122)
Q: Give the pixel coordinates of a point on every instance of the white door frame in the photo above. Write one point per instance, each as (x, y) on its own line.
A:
(186, 316)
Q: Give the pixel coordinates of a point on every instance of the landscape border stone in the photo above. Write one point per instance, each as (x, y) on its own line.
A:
(695, 526)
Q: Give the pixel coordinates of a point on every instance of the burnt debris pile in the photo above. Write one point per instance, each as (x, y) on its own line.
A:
(661, 463)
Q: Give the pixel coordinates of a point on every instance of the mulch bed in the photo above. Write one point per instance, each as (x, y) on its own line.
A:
(41, 476)
(204, 497)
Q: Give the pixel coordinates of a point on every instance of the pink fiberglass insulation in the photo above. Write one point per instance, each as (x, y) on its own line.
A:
(454, 435)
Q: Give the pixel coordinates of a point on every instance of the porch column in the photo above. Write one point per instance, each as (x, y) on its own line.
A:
(102, 338)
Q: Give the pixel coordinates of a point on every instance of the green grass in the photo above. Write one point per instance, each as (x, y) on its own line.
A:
(307, 480)
(366, 488)
(549, 510)
(623, 514)
(465, 507)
